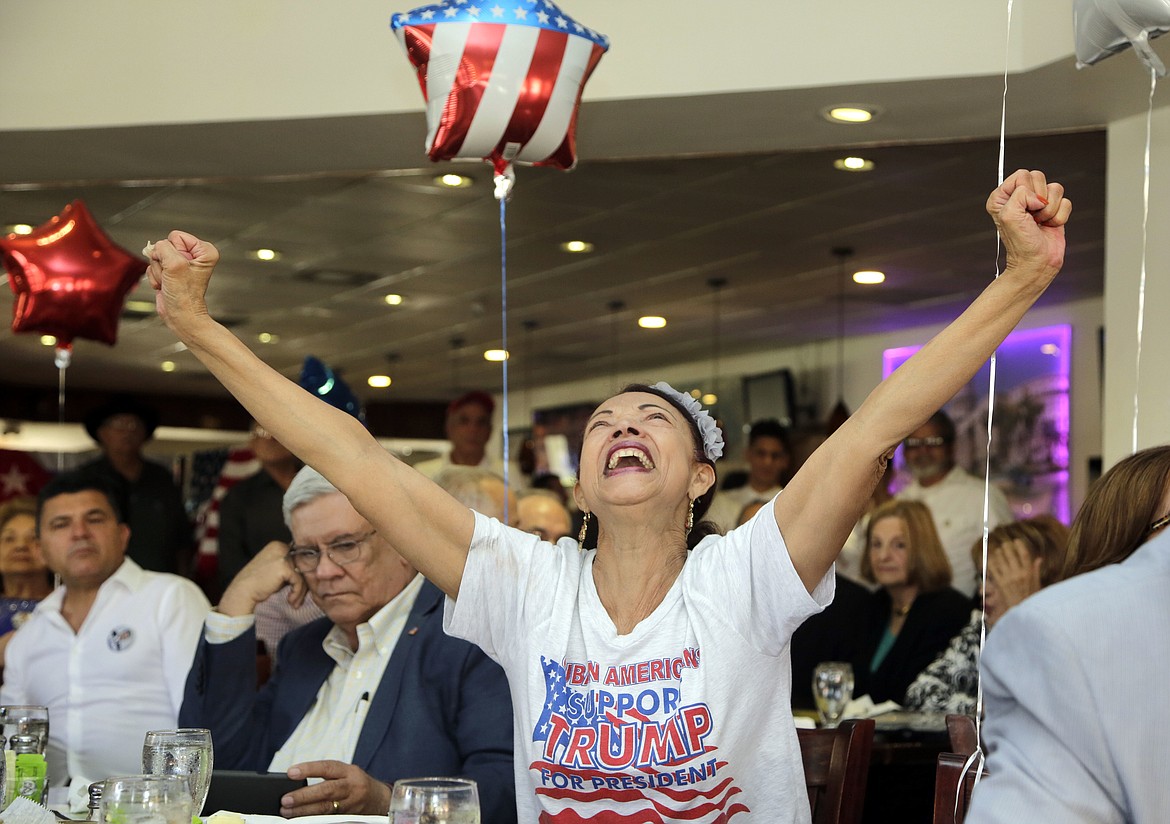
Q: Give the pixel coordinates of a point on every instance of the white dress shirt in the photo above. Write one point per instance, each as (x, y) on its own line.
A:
(729, 503)
(119, 676)
(330, 729)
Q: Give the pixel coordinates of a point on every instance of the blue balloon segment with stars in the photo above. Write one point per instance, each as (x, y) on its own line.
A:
(542, 14)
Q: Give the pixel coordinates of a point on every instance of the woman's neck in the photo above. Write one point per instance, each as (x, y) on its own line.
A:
(901, 599)
(26, 586)
(634, 569)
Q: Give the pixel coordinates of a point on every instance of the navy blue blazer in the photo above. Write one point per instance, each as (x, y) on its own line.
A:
(442, 708)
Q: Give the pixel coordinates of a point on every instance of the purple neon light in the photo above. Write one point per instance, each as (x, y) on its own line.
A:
(1018, 360)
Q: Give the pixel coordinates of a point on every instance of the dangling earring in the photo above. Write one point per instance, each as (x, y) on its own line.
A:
(690, 517)
(581, 534)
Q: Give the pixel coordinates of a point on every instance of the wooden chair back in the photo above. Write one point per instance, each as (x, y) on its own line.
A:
(964, 738)
(947, 791)
(836, 765)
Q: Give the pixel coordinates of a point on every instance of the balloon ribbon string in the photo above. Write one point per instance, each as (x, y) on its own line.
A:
(61, 412)
(976, 758)
(504, 340)
(1141, 312)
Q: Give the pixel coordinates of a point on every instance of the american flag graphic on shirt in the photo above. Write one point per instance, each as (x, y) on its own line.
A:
(620, 747)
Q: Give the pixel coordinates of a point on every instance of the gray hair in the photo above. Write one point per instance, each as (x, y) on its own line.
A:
(308, 485)
(471, 486)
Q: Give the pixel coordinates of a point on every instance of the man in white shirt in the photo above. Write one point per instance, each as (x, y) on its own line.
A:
(107, 652)
(371, 693)
(954, 496)
(469, 428)
(768, 457)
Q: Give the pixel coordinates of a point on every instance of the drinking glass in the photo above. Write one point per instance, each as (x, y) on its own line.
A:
(145, 799)
(434, 801)
(832, 688)
(185, 753)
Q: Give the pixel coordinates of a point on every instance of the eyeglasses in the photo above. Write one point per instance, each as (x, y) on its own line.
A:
(915, 443)
(306, 559)
(1156, 525)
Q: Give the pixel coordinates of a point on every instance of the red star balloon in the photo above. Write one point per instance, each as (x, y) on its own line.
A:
(70, 279)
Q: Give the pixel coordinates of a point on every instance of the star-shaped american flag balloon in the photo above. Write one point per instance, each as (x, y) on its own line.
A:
(502, 81)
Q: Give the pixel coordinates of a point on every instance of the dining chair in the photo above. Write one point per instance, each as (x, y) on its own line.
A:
(836, 765)
(951, 801)
(964, 737)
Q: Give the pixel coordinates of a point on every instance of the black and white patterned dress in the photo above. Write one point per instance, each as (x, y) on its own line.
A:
(950, 682)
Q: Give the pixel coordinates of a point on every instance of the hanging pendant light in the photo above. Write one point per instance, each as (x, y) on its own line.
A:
(711, 397)
(840, 412)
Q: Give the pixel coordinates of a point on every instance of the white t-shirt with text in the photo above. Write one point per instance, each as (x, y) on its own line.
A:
(690, 712)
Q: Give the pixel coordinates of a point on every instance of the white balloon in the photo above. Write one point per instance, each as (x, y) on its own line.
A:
(1104, 27)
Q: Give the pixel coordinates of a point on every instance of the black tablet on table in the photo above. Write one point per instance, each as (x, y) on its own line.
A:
(243, 791)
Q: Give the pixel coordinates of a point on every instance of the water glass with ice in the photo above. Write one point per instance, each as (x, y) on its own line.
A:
(145, 799)
(833, 690)
(186, 753)
(434, 801)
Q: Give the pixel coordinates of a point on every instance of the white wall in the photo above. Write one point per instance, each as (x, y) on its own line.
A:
(124, 62)
(1123, 264)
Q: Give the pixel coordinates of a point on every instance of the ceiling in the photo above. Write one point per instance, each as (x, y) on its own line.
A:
(662, 228)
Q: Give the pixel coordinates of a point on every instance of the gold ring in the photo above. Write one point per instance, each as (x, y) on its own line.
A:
(336, 805)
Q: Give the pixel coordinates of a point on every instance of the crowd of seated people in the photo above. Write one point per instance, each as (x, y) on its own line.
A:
(912, 636)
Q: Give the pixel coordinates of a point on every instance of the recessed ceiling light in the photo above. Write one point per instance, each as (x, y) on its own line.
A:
(48, 340)
(495, 355)
(268, 337)
(453, 181)
(869, 277)
(266, 254)
(18, 229)
(709, 399)
(853, 164)
(652, 321)
(850, 114)
(577, 246)
(168, 366)
(379, 381)
(140, 306)
(393, 300)
(696, 393)
(1049, 349)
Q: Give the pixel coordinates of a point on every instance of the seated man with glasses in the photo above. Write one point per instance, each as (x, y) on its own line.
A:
(371, 693)
(954, 496)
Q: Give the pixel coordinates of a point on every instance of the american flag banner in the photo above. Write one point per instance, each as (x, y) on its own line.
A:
(224, 472)
(502, 82)
(21, 475)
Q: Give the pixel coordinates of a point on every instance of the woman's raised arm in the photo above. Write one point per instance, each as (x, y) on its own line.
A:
(427, 526)
(817, 510)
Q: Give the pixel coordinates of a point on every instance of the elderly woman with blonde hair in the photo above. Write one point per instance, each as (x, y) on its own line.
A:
(915, 612)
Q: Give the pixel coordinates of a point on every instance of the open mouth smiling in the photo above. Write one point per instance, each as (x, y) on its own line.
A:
(628, 457)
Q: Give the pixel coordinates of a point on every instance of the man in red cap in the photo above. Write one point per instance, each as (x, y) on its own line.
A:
(469, 428)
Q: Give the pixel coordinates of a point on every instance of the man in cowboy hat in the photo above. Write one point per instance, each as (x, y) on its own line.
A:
(160, 532)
